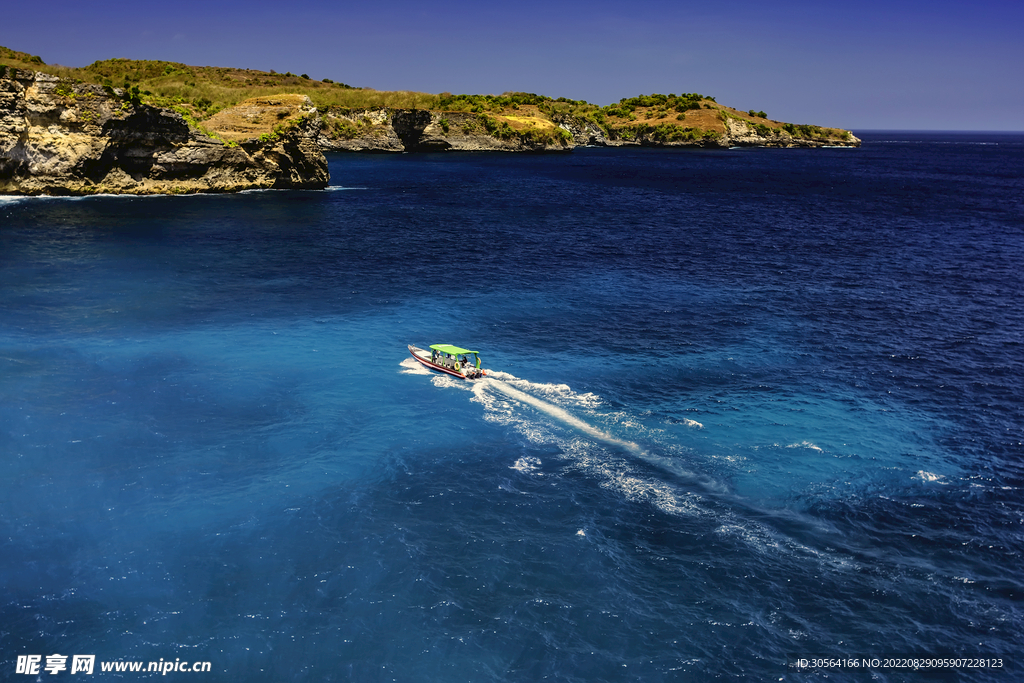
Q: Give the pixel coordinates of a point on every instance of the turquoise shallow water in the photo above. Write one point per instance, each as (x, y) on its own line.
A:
(746, 406)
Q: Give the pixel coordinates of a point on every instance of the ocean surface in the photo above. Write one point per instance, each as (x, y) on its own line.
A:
(744, 407)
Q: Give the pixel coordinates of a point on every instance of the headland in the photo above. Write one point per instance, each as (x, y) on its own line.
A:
(145, 127)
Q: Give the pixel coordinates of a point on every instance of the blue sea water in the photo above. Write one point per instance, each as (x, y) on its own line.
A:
(744, 407)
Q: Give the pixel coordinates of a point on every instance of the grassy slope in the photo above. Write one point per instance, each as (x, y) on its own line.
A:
(203, 91)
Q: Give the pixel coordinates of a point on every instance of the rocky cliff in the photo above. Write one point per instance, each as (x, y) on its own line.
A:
(63, 138)
(421, 130)
(722, 134)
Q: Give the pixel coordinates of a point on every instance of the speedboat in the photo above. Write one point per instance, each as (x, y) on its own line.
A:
(453, 360)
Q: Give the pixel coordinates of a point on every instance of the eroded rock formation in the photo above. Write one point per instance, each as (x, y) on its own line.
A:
(62, 138)
(418, 130)
(421, 130)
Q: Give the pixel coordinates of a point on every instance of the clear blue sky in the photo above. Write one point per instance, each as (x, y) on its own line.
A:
(866, 65)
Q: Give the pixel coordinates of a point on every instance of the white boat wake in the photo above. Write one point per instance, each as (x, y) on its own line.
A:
(504, 396)
(557, 413)
(521, 392)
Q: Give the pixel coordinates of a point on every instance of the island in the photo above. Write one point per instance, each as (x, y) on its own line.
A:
(152, 127)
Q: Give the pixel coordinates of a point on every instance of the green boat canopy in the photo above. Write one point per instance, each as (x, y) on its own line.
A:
(454, 350)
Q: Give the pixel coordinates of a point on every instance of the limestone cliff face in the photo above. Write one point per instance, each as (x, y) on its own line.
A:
(734, 133)
(427, 131)
(584, 133)
(420, 130)
(359, 130)
(73, 139)
(740, 133)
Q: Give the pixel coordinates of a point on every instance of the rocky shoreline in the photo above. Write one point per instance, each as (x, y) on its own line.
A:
(61, 138)
(58, 137)
(404, 130)
(420, 130)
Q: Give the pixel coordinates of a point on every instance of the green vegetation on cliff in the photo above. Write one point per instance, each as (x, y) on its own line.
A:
(200, 92)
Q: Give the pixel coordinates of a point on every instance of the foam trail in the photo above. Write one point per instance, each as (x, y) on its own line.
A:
(589, 429)
(563, 415)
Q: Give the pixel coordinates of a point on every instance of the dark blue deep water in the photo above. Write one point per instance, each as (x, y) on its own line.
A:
(746, 406)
